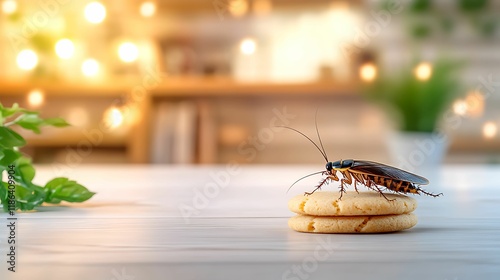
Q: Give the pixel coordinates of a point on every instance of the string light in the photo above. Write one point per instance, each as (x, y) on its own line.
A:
(148, 9)
(128, 52)
(460, 107)
(90, 67)
(423, 71)
(475, 103)
(9, 6)
(36, 98)
(113, 117)
(95, 12)
(489, 130)
(248, 46)
(65, 48)
(27, 60)
(368, 72)
(471, 106)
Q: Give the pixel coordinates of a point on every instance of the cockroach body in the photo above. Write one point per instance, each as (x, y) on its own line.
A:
(371, 174)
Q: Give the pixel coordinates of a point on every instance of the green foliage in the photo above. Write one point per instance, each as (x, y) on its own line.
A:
(420, 6)
(27, 194)
(425, 18)
(473, 5)
(419, 104)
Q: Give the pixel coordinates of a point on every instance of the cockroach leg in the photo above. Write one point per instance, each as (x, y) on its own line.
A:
(428, 193)
(318, 187)
(371, 183)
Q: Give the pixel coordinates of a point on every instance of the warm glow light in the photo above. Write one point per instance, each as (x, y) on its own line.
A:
(475, 103)
(90, 67)
(238, 8)
(65, 48)
(460, 107)
(36, 98)
(27, 60)
(368, 72)
(77, 116)
(95, 12)
(9, 6)
(342, 20)
(248, 46)
(262, 7)
(113, 117)
(489, 130)
(128, 52)
(423, 71)
(148, 9)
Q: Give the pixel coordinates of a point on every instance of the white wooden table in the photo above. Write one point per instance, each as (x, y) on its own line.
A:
(134, 229)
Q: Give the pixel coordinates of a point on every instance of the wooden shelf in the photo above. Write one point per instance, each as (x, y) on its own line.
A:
(65, 138)
(181, 87)
(225, 87)
(61, 88)
(201, 90)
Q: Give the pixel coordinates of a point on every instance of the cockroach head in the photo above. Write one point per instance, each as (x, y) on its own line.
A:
(329, 166)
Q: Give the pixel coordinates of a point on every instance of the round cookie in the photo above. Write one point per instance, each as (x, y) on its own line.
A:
(357, 224)
(352, 204)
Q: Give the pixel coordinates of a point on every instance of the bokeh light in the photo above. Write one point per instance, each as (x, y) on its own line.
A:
(368, 72)
(90, 67)
(27, 60)
(248, 46)
(490, 130)
(423, 71)
(147, 9)
(128, 52)
(238, 8)
(475, 103)
(460, 107)
(113, 117)
(35, 98)
(9, 6)
(95, 12)
(65, 48)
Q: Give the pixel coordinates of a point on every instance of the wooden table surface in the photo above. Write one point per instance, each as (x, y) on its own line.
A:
(159, 222)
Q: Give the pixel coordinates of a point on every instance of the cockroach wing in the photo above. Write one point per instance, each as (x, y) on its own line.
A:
(382, 170)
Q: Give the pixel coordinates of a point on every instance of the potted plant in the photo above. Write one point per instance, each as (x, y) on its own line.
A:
(416, 98)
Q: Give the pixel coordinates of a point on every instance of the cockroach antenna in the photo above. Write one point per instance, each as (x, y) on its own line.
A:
(316, 145)
(319, 137)
(303, 178)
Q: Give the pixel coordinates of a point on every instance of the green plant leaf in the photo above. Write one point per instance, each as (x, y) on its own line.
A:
(8, 157)
(27, 194)
(3, 194)
(60, 189)
(7, 112)
(24, 171)
(10, 139)
(30, 121)
(27, 198)
(57, 122)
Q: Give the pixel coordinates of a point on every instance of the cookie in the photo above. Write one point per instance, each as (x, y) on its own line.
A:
(354, 224)
(352, 204)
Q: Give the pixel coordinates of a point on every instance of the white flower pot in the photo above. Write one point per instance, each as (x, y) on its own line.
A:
(414, 151)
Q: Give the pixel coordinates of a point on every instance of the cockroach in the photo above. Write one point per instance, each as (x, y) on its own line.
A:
(371, 174)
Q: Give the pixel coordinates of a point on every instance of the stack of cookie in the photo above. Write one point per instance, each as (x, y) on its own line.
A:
(364, 212)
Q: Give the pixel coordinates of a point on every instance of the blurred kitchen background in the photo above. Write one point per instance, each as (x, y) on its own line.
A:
(207, 81)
